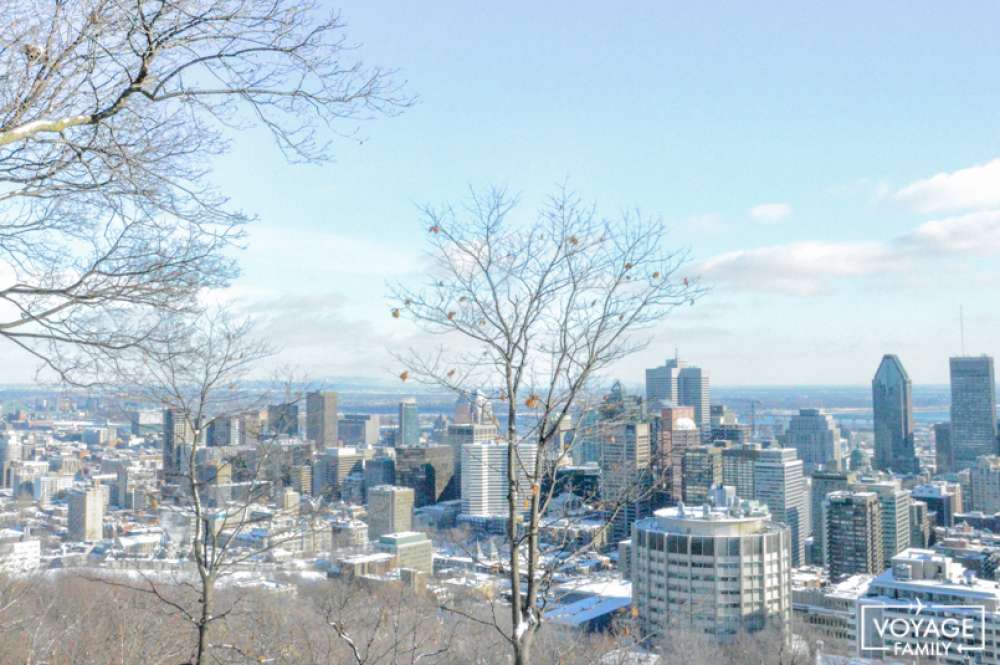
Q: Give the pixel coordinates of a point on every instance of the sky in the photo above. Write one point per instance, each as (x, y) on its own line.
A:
(833, 168)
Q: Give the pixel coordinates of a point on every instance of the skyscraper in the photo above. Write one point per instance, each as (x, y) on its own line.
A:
(321, 419)
(661, 383)
(682, 385)
(702, 469)
(390, 510)
(892, 402)
(484, 477)
(409, 424)
(973, 409)
(738, 468)
(986, 485)
(944, 457)
(429, 470)
(823, 483)
(895, 504)
(86, 514)
(780, 485)
(692, 384)
(816, 439)
(677, 433)
(853, 534)
(176, 432)
(625, 473)
(283, 419)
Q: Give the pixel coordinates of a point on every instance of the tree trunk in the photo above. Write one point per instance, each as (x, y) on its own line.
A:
(207, 598)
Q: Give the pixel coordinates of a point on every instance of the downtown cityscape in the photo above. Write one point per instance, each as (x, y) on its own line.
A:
(454, 333)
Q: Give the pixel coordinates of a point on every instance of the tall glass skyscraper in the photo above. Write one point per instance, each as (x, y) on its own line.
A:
(409, 423)
(892, 401)
(973, 409)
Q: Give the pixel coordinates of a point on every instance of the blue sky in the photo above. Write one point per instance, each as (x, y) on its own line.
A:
(790, 146)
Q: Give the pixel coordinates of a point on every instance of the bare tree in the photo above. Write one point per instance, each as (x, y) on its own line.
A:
(110, 114)
(199, 375)
(540, 308)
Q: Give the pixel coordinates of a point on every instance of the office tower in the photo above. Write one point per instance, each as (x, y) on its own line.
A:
(410, 549)
(176, 432)
(223, 431)
(359, 430)
(321, 419)
(283, 419)
(737, 468)
(895, 505)
(780, 485)
(853, 534)
(300, 478)
(333, 466)
(558, 450)
(986, 484)
(677, 433)
(721, 570)
(662, 383)
(10, 455)
(86, 514)
(702, 469)
(973, 410)
(484, 477)
(892, 404)
(824, 482)
(390, 510)
(943, 499)
(409, 423)
(682, 385)
(944, 457)
(380, 470)
(692, 384)
(429, 470)
(816, 438)
(625, 473)
(920, 525)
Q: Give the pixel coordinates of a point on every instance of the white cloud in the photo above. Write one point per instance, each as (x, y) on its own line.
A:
(971, 188)
(770, 213)
(808, 268)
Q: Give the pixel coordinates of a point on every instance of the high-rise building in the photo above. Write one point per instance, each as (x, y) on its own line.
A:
(625, 473)
(727, 427)
(390, 510)
(10, 455)
(409, 423)
(702, 469)
(321, 419)
(677, 433)
(943, 499)
(892, 402)
(816, 438)
(895, 504)
(380, 470)
(484, 477)
(429, 470)
(986, 484)
(332, 468)
(681, 385)
(283, 419)
(176, 432)
(780, 485)
(853, 534)
(738, 466)
(692, 384)
(358, 429)
(944, 457)
(661, 383)
(720, 570)
(823, 483)
(920, 525)
(223, 431)
(86, 514)
(973, 409)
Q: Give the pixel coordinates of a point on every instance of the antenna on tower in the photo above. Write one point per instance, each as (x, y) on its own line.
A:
(961, 326)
